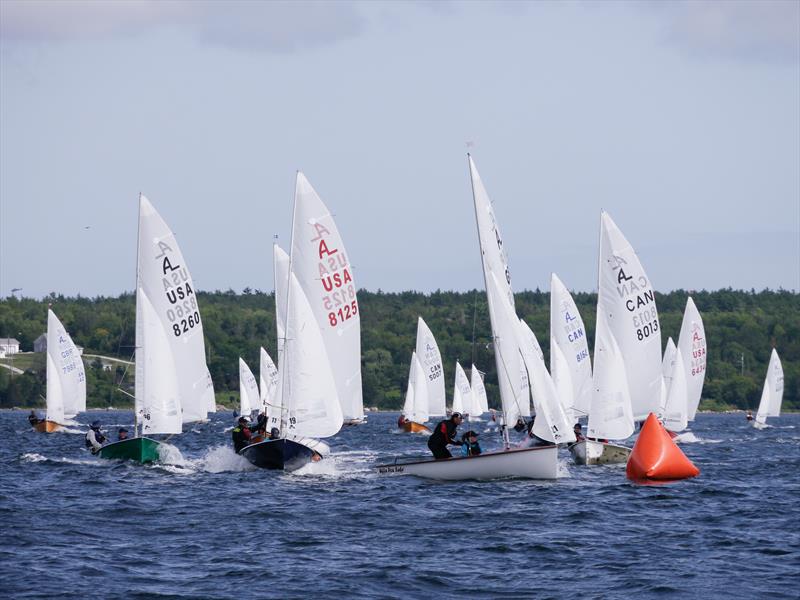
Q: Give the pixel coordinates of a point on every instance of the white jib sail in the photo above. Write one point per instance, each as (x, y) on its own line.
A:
(772, 393)
(674, 413)
(310, 394)
(627, 301)
(157, 397)
(568, 333)
(562, 379)
(462, 392)
(66, 377)
(610, 413)
(494, 259)
(692, 343)
(552, 422)
(166, 282)
(268, 380)
(322, 266)
(248, 390)
(416, 405)
(480, 403)
(668, 362)
(280, 263)
(431, 360)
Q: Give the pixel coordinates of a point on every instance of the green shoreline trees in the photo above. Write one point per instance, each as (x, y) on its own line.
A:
(741, 327)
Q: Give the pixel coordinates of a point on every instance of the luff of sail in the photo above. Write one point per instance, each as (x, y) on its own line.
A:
(165, 280)
(66, 377)
(248, 390)
(309, 387)
(430, 358)
(692, 343)
(322, 265)
(627, 301)
(568, 335)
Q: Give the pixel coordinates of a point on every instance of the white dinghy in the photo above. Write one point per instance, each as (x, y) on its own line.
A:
(771, 394)
(249, 396)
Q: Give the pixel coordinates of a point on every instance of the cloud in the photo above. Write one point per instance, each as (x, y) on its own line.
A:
(758, 30)
(277, 25)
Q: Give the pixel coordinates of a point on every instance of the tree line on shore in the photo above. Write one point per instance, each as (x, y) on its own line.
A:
(741, 329)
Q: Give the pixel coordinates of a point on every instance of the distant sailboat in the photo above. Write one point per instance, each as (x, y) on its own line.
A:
(692, 344)
(66, 378)
(268, 379)
(772, 393)
(249, 396)
(480, 403)
(415, 408)
(462, 392)
(430, 358)
(173, 384)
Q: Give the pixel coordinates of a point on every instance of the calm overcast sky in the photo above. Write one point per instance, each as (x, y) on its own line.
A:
(682, 119)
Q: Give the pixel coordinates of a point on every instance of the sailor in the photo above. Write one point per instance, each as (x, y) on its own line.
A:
(401, 421)
(749, 415)
(444, 434)
(578, 432)
(471, 447)
(261, 421)
(122, 434)
(241, 434)
(33, 419)
(274, 433)
(94, 437)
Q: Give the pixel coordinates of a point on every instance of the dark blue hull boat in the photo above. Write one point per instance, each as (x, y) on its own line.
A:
(279, 454)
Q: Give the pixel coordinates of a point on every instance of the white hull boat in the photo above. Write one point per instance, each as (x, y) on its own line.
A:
(540, 462)
(590, 452)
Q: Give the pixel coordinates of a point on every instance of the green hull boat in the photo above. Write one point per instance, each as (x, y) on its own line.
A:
(140, 449)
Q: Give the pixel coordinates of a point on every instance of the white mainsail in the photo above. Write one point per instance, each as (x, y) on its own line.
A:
(66, 377)
(627, 301)
(610, 413)
(248, 390)
(322, 265)
(552, 422)
(430, 358)
(480, 403)
(514, 390)
(268, 379)
(462, 392)
(772, 393)
(164, 280)
(692, 343)
(309, 387)
(280, 262)
(416, 405)
(673, 412)
(568, 340)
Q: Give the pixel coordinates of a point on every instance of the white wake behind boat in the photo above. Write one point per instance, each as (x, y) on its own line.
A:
(539, 462)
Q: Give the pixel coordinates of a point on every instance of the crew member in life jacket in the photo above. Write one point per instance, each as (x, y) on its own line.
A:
(471, 447)
(33, 419)
(241, 435)
(443, 434)
(94, 437)
(578, 432)
(749, 415)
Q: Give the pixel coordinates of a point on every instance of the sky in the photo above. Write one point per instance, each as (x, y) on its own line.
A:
(681, 119)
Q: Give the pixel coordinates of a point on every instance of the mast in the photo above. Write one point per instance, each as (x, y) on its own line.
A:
(284, 358)
(135, 300)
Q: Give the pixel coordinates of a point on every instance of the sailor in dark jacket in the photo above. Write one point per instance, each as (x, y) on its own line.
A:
(241, 435)
(443, 434)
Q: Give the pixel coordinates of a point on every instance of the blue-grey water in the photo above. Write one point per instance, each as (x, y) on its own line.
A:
(208, 525)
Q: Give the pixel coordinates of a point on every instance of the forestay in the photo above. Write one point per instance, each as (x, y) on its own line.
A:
(416, 405)
(430, 358)
(568, 340)
(248, 390)
(322, 266)
(627, 301)
(462, 392)
(309, 388)
(692, 343)
(66, 377)
(772, 393)
(165, 281)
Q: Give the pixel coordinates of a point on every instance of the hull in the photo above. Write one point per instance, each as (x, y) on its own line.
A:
(282, 454)
(758, 425)
(412, 427)
(530, 463)
(47, 427)
(361, 421)
(141, 449)
(589, 452)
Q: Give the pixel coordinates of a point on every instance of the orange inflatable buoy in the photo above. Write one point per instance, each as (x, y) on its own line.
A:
(656, 457)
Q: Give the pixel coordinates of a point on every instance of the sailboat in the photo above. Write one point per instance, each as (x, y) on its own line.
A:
(66, 378)
(249, 395)
(268, 379)
(462, 392)
(480, 402)
(313, 351)
(173, 385)
(415, 408)
(537, 462)
(772, 393)
(628, 339)
(692, 344)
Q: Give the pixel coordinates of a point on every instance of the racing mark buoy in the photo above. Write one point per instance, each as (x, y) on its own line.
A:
(655, 457)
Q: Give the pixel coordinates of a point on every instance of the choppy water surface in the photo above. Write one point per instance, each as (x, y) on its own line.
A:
(209, 525)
